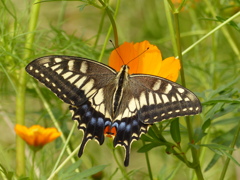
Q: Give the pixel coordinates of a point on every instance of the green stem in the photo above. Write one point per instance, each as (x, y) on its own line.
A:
(170, 3)
(148, 164)
(179, 50)
(61, 14)
(70, 156)
(224, 30)
(170, 26)
(65, 147)
(195, 157)
(225, 166)
(205, 140)
(181, 156)
(20, 96)
(211, 32)
(181, 6)
(111, 18)
(196, 164)
(33, 164)
(119, 165)
(99, 30)
(109, 32)
(20, 119)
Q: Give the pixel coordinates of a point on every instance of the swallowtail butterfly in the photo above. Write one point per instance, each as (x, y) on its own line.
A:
(106, 102)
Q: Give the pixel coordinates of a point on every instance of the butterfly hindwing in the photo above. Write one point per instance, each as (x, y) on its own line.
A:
(91, 122)
(129, 129)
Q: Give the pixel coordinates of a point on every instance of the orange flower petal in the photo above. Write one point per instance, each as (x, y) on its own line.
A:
(151, 59)
(170, 69)
(144, 58)
(36, 135)
(138, 57)
(125, 52)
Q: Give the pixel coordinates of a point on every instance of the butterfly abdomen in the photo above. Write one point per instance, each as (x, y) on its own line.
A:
(122, 81)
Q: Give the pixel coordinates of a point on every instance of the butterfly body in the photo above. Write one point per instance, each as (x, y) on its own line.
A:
(116, 104)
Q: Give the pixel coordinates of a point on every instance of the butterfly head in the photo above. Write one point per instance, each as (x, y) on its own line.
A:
(125, 68)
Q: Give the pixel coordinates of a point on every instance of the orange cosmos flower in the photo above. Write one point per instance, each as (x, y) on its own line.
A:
(36, 135)
(144, 58)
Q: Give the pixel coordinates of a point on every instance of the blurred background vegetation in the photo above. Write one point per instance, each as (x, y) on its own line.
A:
(78, 28)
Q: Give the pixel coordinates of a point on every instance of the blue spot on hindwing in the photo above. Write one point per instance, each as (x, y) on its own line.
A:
(134, 123)
(128, 128)
(100, 122)
(122, 126)
(85, 107)
(115, 125)
(93, 121)
(88, 114)
(107, 123)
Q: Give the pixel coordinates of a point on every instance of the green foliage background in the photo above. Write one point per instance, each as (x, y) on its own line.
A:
(80, 28)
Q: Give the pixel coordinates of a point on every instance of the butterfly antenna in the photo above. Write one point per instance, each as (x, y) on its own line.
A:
(117, 51)
(138, 55)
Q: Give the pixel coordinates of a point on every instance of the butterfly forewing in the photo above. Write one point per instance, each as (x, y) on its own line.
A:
(72, 79)
(157, 99)
(106, 102)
